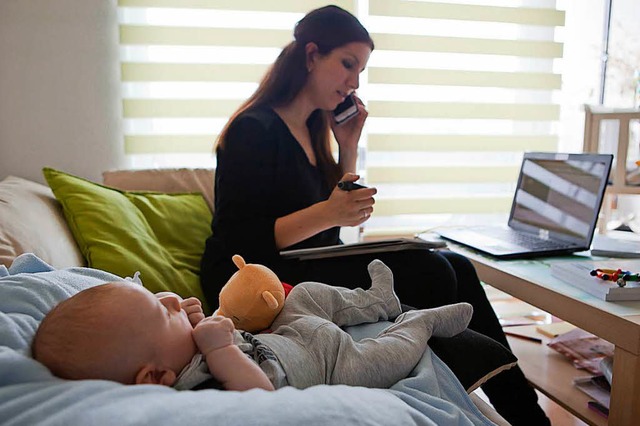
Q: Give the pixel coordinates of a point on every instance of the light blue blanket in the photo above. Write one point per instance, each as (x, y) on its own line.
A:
(30, 395)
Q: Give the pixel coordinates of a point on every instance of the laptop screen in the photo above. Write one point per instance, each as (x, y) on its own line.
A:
(560, 194)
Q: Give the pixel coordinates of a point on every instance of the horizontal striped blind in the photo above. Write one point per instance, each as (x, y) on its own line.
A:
(456, 91)
(188, 64)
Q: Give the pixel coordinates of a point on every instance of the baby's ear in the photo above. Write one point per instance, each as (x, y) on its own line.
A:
(151, 375)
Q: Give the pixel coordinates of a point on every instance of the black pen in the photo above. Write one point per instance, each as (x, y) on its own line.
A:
(349, 186)
(520, 336)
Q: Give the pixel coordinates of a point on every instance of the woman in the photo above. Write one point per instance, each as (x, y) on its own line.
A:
(276, 188)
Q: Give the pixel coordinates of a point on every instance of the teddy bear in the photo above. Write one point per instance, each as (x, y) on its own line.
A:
(252, 297)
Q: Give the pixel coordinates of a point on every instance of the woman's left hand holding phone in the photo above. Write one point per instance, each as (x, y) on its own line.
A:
(348, 135)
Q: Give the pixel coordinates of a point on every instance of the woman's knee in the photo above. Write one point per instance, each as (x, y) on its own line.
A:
(463, 268)
(459, 262)
(423, 279)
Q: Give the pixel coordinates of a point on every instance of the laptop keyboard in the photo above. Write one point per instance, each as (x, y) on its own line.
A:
(528, 241)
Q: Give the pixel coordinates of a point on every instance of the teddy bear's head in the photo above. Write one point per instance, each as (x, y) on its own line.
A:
(252, 297)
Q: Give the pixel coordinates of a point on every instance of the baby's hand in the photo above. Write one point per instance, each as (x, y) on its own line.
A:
(213, 333)
(193, 307)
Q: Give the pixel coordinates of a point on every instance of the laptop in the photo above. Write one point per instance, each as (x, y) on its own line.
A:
(554, 210)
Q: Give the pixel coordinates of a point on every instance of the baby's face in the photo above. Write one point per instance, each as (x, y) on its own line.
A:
(167, 330)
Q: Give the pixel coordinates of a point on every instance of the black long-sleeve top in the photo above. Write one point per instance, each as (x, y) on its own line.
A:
(262, 174)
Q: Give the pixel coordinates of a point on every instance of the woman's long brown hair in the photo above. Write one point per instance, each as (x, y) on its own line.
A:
(328, 27)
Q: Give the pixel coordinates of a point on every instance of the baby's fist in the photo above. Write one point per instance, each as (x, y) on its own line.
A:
(213, 333)
(193, 307)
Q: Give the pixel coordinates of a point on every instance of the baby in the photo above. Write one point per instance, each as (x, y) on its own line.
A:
(122, 332)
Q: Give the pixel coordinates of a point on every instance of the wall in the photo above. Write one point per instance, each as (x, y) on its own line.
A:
(580, 67)
(59, 87)
(581, 64)
(624, 54)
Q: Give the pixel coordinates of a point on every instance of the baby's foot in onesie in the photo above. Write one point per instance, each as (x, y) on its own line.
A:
(382, 286)
(444, 321)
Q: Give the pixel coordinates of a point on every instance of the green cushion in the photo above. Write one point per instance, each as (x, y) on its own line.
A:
(161, 235)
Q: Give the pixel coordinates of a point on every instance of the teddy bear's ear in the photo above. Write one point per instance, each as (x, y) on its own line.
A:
(271, 301)
(238, 260)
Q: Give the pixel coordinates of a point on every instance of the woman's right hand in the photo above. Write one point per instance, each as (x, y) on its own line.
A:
(351, 208)
(342, 208)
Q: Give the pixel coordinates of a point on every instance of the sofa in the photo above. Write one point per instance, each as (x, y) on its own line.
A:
(59, 238)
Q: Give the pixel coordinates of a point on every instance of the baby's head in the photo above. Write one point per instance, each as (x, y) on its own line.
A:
(117, 331)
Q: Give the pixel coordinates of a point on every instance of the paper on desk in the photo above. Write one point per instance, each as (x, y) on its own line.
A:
(555, 329)
(587, 385)
(584, 349)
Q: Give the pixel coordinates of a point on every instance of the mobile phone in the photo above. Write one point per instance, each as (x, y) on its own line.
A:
(345, 110)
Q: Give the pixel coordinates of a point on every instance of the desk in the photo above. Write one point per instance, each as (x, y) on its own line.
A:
(618, 323)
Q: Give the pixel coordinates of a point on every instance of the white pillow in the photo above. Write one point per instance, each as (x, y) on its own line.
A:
(31, 221)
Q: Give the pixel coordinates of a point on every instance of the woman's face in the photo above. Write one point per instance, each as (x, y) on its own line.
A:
(334, 76)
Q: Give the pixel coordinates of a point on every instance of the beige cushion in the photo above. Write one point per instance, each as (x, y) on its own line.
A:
(163, 180)
(31, 221)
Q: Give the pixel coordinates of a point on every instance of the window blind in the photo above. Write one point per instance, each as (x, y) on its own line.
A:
(186, 65)
(456, 91)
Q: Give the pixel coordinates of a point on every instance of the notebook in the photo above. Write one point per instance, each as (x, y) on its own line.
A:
(554, 210)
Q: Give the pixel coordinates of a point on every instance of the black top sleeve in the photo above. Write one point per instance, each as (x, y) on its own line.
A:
(245, 190)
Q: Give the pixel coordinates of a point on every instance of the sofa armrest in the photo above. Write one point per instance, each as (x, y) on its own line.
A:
(473, 357)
